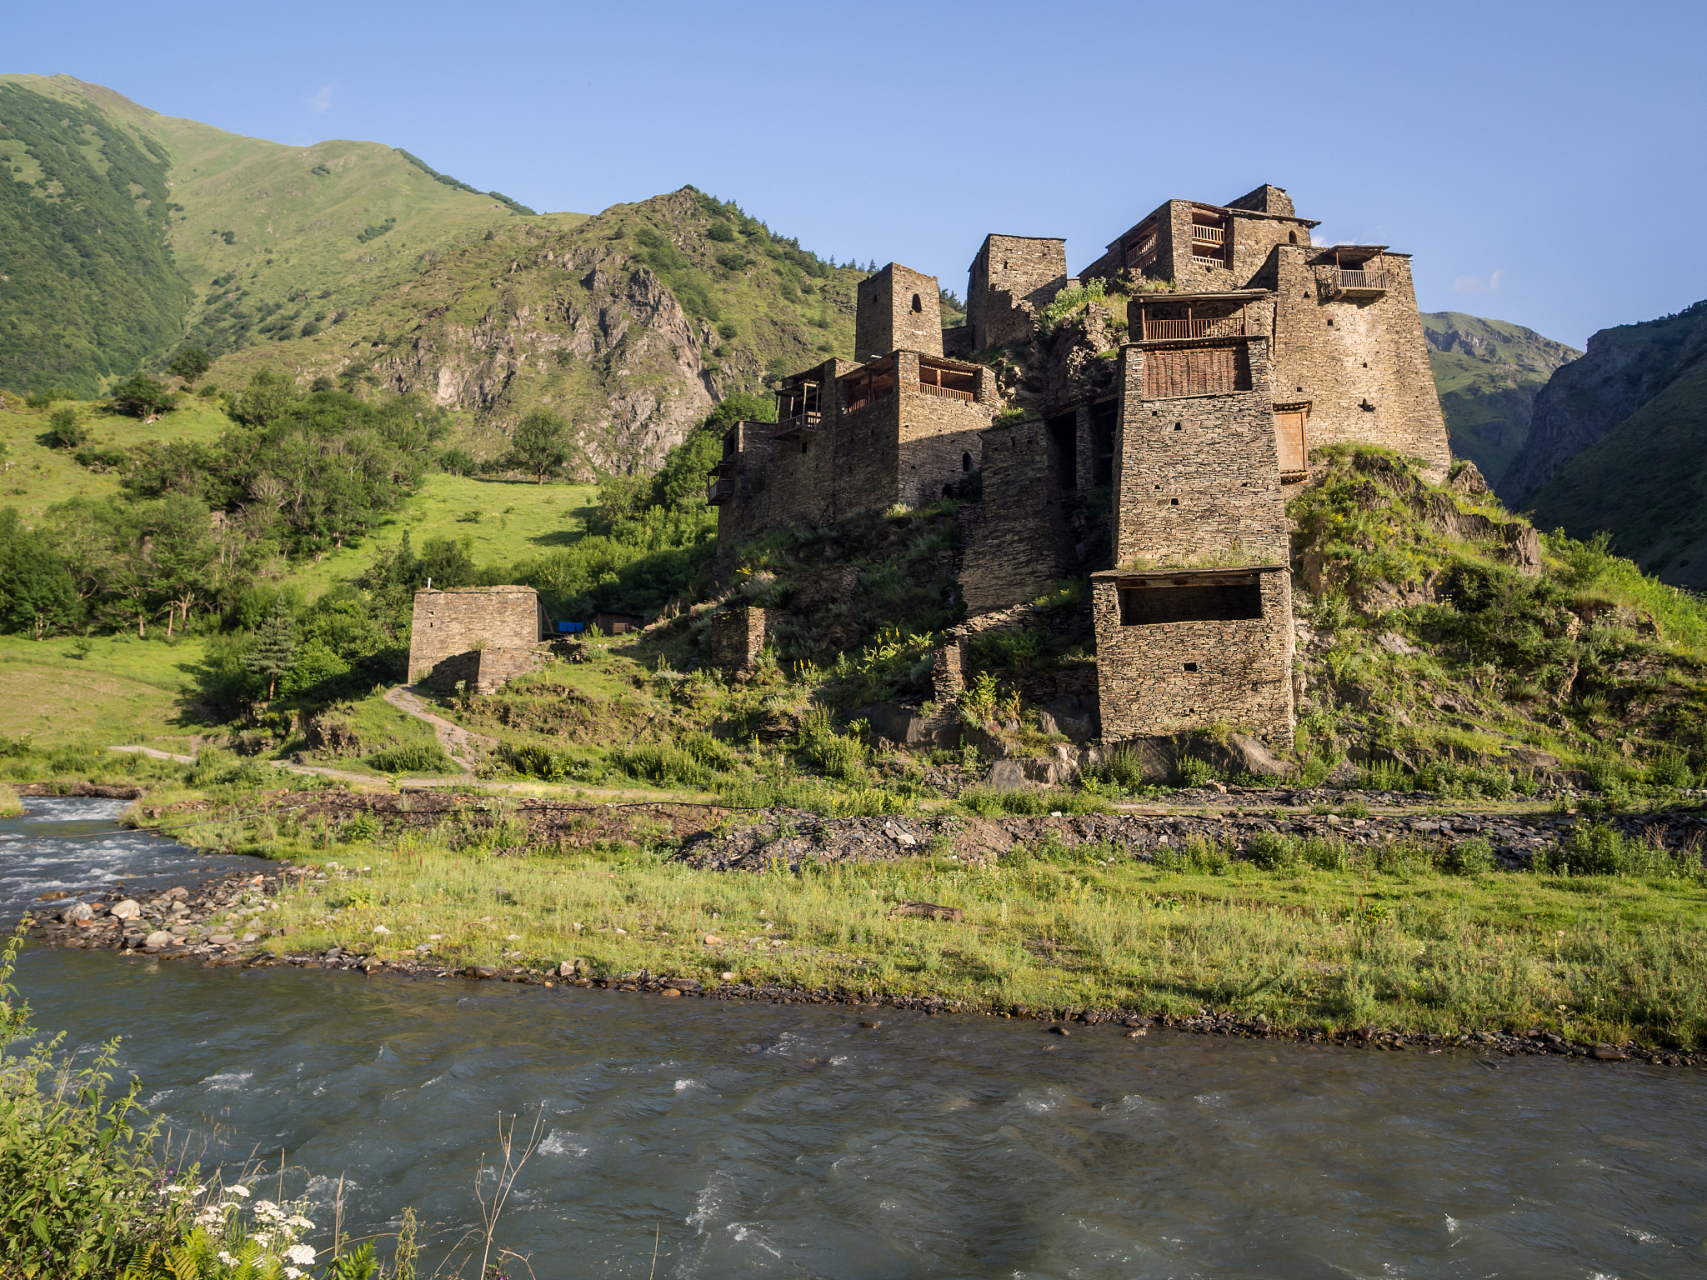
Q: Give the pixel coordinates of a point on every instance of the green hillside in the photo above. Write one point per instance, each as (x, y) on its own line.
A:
(119, 221)
(1487, 373)
(1645, 483)
(358, 263)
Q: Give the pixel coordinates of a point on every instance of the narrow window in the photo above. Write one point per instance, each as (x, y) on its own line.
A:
(966, 462)
(1292, 237)
(917, 305)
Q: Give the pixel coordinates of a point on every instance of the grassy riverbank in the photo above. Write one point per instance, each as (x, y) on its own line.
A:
(1307, 934)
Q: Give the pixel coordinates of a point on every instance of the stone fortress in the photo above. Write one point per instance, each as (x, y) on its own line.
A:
(1244, 345)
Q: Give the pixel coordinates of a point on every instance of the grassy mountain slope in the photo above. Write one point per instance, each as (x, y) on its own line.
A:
(1644, 482)
(1624, 369)
(1487, 373)
(87, 284)
(354, 261)
(281, 228)
(631, 324)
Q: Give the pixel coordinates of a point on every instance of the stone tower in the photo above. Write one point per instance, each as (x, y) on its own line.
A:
(899, 310)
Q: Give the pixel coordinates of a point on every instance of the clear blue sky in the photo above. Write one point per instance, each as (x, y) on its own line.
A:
(1542, 161)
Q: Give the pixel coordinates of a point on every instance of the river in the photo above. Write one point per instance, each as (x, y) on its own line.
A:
(754, 1140)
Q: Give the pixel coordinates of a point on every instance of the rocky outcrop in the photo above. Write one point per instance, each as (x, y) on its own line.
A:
(1624, 369)
(609, 329)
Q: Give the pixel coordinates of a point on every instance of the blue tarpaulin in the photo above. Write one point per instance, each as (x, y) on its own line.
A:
(571, 626)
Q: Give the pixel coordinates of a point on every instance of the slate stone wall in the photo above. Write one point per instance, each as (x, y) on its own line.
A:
(482, 670)
(1199, 475)
(460, 619)
(1169, 677)
(1362, 363)
(748, 509)
(1015, 547)
(885, 318)
(736, 638)
(1011, 279)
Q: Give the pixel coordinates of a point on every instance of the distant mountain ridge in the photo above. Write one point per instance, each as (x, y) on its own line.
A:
(1619, 443)
(1487, 373)
(1625, 368)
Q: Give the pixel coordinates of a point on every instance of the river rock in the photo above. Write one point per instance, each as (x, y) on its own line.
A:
(221, 939)
(129, 909)
(1606, 1053)
(159, 938)
(76, 912)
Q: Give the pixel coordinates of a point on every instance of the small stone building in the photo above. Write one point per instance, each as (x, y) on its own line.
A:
(481, 636)
(1179, 651)
(737, 638)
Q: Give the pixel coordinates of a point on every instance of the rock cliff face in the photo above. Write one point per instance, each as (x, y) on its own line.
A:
(1624, 369)
(608, 342)
(1488, 373)
(632, 324)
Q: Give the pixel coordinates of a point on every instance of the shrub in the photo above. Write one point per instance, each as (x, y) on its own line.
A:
(1198, 854)
(1272, 852)
(413, 757)
(1469, 858)
(80, 1181)
(1196, 773)
(1671, 770)
(665, 765)
(64, 431)
(357, 830)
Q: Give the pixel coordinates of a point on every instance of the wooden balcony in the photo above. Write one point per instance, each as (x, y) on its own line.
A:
(1183, 330)
(947, 393)
(1208, 235)
(719, 491)
(791, 428)
(1367, 284)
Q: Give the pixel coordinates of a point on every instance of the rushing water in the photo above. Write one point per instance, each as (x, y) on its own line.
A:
(789, 1141)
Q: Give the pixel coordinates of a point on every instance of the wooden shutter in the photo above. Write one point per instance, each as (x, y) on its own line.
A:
(1289, 436)
(1197, 371)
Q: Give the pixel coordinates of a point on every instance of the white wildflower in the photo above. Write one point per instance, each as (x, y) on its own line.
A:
(300, 1222)
(237, 1191)
(262, 1238)
(267, 1209)
(291, 1273)
(227, 1259)
(303, 1253)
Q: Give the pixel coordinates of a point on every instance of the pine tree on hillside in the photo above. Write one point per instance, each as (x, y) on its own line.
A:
(275, 647)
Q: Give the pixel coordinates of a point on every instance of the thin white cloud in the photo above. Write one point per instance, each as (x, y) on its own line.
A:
(321, 101)
(1476, 284)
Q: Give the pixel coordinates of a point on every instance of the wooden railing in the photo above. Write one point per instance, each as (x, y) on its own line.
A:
(865, 399)
(1363, 281)
(1143, 254)
(719, 491)
(808, 421)
(948, 393)
(1178, 330)
(1213, 235)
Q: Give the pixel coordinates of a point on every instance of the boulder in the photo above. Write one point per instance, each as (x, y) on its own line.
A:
(77, 911)
(1007, 775)
(129, 909)
(159, 938)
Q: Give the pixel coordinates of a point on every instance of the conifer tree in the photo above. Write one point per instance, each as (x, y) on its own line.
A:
(275, 646)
